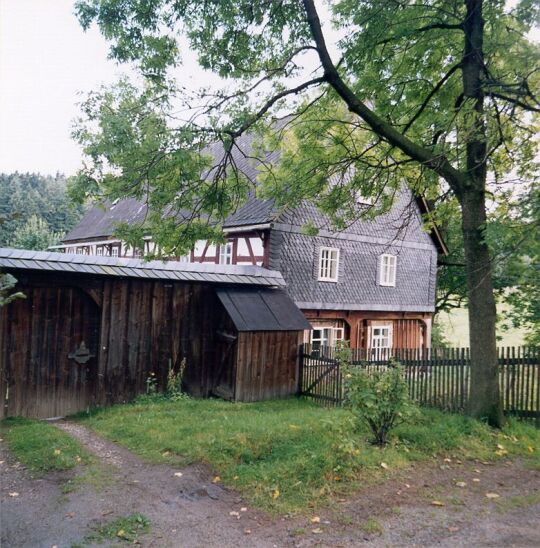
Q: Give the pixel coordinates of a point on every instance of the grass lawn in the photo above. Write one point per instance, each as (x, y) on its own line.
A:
(288, 455)
(41, 447)
(455, 328)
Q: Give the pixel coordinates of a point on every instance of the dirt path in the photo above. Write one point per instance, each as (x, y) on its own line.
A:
(189, 510)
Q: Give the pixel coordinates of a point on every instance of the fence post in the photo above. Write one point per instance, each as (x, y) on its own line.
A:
(299, 384)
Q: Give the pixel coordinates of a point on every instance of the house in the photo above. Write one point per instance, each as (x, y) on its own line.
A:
(92, 330)
(372, 284)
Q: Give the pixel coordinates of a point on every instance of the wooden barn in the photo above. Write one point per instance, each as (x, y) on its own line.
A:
(92, 330)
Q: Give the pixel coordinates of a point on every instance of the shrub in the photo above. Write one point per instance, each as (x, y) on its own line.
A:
(174, 382)
(379, 398)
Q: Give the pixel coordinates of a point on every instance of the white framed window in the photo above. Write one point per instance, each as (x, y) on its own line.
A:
(325, 336)
(226, 253)
(114, 251)
(381, 337)
(387, 270)
(99, 250)
(328, 264)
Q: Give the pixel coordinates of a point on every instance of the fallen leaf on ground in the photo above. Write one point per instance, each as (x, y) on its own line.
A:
(530, 449)
(447, 460)
(236, 514)
(492, 495)
(317, 531)
(316, 519)
(499, 446)
(384, 465)
(247, 531)
(453, 529)
(178, 474)
(294, 427)
(70, 515)
(437, 503)
(461, 484)
(165, 454)
(235, 477)
(121, 534)
(243, 509)
(275, 493)
(1, 462)
(57, 451)
(14, 494)
(477, 470)
(77, 458)
(476, 480)
(216, 479)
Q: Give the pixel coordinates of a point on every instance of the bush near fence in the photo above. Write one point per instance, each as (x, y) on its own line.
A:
(437, 377)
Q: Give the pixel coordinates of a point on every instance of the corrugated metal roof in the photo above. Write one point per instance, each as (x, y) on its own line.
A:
(116, 266)
(261, 309)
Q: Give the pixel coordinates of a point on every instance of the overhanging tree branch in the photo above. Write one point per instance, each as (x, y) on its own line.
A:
(437, 163)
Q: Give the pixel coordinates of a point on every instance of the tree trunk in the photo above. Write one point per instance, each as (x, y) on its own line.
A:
(484, 398)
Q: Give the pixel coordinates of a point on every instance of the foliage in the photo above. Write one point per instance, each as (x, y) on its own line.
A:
(7, 283)
(34, 234)
(438, 337)
(125, 529)
(379, 398)
(290, 455)
(436, 95)
(42, 447)
(23, 195)
(175, 379)
(151, 384)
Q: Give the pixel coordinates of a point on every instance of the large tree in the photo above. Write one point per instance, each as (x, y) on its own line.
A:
(439, 94)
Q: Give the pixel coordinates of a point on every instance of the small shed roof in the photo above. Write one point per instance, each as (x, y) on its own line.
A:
(261, 309)
(138, 268)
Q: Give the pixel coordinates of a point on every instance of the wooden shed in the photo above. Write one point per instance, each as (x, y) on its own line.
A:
(92, 330)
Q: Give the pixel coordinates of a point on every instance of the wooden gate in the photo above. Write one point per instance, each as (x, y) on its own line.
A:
(48, 352)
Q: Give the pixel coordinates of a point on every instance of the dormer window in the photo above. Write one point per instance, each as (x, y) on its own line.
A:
(328, 264)
(387, 270)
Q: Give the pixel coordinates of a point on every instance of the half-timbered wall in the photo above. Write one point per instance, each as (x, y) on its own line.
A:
(246, 249)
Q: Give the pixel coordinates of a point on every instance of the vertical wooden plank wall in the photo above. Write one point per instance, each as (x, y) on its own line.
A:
(267, 365)
(37, 335)
(149, 326)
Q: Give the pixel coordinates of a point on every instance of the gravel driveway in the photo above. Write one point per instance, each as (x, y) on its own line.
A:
(443, 504)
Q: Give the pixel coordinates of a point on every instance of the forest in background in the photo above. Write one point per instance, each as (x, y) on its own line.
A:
(35, 210)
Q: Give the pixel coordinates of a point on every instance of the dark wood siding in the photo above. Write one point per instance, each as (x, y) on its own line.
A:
(267, 365)
(37, 336)
(133, 328)
(408, 328)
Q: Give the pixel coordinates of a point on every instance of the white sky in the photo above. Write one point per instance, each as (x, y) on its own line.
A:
(46, 60)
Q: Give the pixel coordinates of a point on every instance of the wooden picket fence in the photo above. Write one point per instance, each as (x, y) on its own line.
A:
(438, 377)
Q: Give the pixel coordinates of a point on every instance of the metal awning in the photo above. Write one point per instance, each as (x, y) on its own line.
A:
(261, 309)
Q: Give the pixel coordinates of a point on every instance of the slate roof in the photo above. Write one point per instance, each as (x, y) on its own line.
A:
(261, 309)
(100, 221)
(138, 268)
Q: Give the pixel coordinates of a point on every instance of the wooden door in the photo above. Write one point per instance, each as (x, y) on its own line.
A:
(48, 351)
